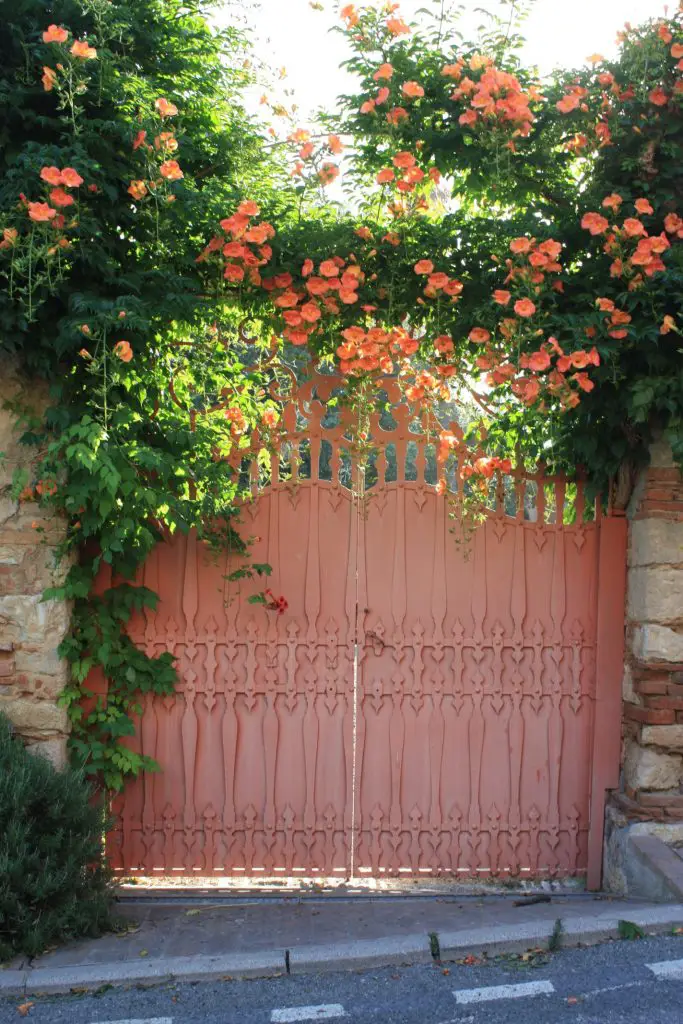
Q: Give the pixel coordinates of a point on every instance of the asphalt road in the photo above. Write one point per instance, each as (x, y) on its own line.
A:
(615, 983)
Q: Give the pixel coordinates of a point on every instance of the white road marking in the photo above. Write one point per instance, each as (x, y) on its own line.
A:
(611, 988)
(294, 1013)
(138, 1020)
(483, 995)
(668, 970)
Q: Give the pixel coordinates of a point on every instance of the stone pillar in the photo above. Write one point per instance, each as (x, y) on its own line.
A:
(653, 679)
(31, 674)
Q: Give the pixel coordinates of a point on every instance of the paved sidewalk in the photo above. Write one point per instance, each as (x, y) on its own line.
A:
(251, 938)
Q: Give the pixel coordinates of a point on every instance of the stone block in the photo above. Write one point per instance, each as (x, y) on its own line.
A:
(645, 768)
(628, 691)
(31, 571)
(655, 594)
(661, 456)
(8, 509)
(667, 736)
(658, 643)
(11, 554)
(49, 687)
(54, 750)
(656, 542)
(40, 661)
(7, 664)
(24, 618)
(34, 718)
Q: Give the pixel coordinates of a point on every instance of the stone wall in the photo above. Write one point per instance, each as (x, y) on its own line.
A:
(653, 678)
(31, 674)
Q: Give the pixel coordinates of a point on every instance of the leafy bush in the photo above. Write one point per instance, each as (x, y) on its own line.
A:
(53, 885)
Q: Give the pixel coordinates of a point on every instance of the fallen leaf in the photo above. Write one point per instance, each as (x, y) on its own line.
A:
(572, 1000)
(23, 1009)
(192, 913)
(143, 952)
(445, 971)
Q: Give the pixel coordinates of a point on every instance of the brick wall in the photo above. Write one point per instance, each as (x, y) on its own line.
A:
(31, 674)
(653, 678)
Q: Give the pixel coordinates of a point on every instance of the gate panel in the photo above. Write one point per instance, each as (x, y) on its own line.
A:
(255, 778)
(424, 706)
(477, 682)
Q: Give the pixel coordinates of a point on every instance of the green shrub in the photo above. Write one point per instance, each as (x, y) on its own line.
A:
(54, 884)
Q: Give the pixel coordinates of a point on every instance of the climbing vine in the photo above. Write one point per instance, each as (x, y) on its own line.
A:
(512, 245)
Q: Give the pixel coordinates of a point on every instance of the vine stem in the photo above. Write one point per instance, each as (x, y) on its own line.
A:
(30, 274)
(441, 17)
(105, 382)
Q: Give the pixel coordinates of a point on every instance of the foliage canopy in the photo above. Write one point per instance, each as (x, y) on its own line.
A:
(505, 242)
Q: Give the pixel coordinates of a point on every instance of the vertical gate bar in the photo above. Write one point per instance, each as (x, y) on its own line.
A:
(477, 723)
(609, 667)
(359, 637)
(312, 609)
(558, 608)
(352, 620)
(437, 724)
(189, 725)
(516, 722)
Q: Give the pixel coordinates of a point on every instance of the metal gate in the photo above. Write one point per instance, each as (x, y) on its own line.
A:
(422, 707)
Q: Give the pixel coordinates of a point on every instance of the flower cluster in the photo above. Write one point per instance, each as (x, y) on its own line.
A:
(438, 282)
(496, 98)
(634, 251)
(275, 604)
(392, 24)
(243, 245)
(67, 76)
(312, 157)
(405, 175)
(475, 468)
(58, 197)
(301, 305)
(161, 167)
(373, 350)
(541, 368)
(38, 239)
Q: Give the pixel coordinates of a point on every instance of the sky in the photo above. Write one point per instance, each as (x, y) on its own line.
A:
(559, 32)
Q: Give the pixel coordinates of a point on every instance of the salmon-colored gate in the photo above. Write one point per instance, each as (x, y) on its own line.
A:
(422, 707)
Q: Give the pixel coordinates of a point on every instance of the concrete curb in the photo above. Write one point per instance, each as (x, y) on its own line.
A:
(346, 956)
(147, 972)
(338, 956)
(576, 931)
